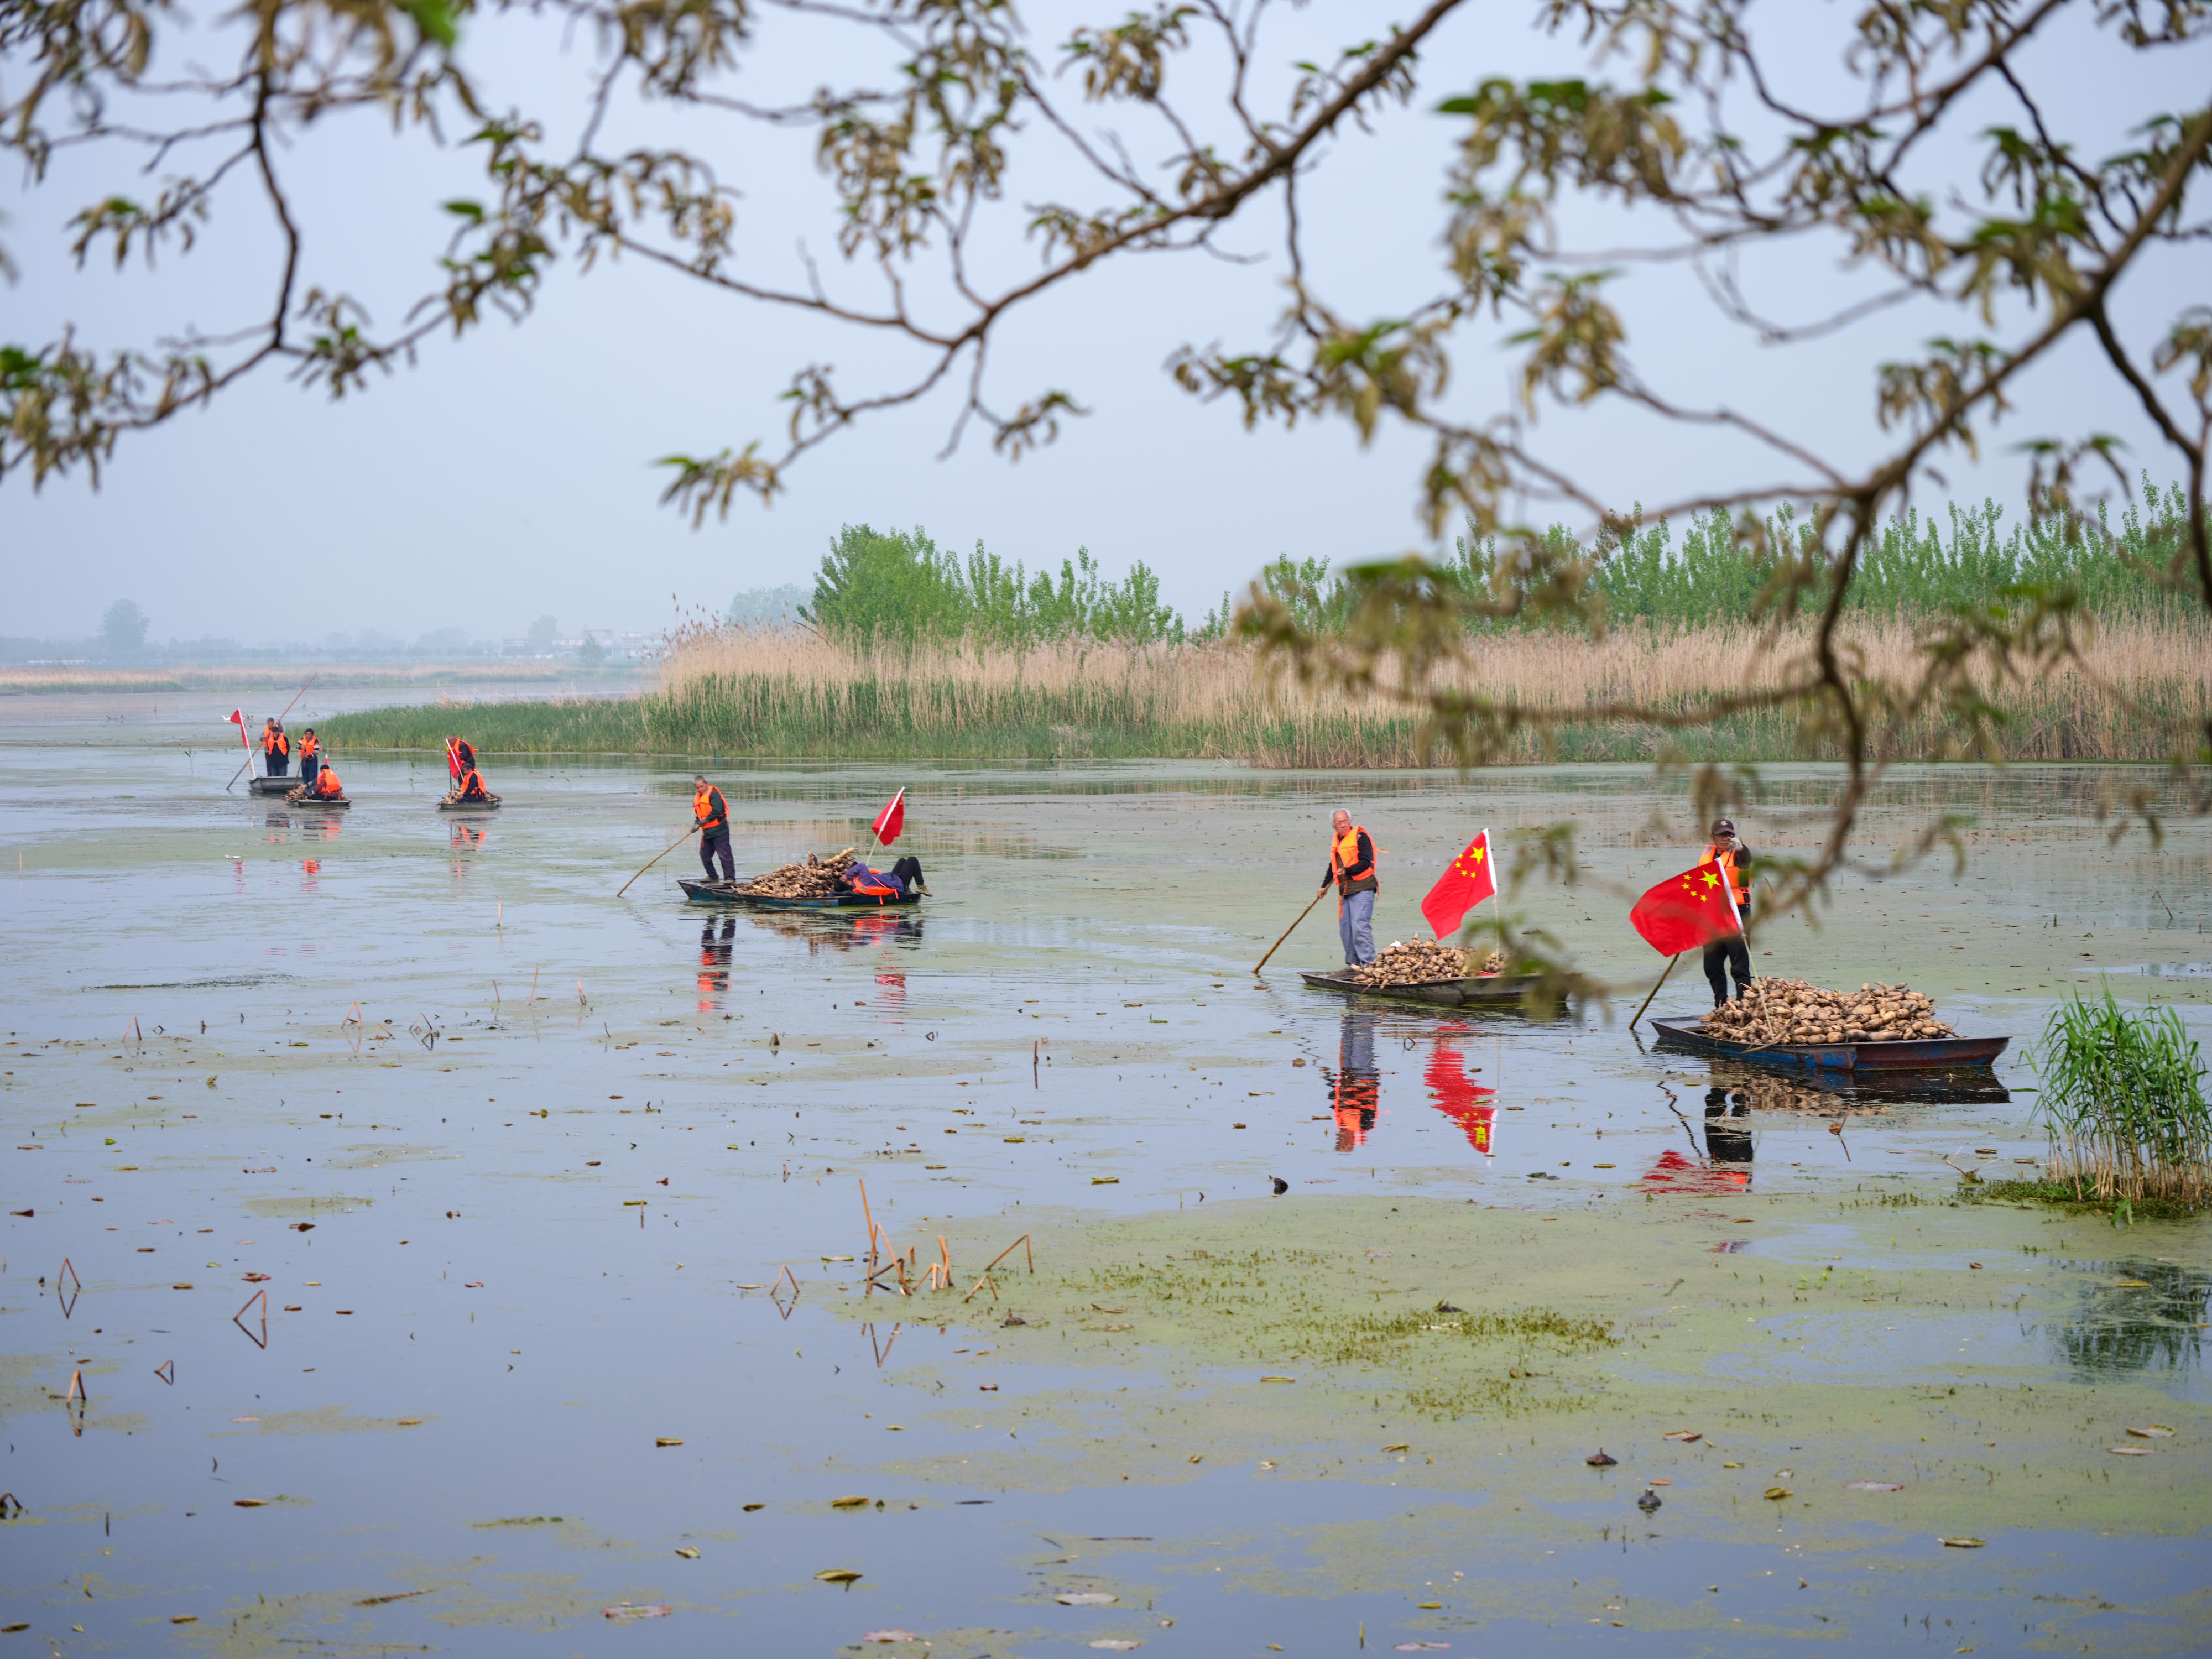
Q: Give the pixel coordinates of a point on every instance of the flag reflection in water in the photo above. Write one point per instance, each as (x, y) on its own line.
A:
(1458, 1097)
(890, 992)
(714, 963)
(1355, 1086)
(1726, 1164)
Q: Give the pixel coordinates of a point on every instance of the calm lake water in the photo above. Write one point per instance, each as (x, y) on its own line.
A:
(519, 1181)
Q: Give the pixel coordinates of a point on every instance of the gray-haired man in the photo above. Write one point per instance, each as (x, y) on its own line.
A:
(1351, 867)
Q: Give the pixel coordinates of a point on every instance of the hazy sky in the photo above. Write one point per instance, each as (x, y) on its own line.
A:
(510, 475)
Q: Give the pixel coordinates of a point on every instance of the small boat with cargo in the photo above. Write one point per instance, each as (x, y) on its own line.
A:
(1862, 1058)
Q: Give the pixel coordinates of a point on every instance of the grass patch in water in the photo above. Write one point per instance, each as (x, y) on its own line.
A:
(2064, 1195)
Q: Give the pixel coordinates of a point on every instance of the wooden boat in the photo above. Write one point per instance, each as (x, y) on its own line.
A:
(272, 786)
(1493, 991)
(725, 892)
(489, 804)
(1861, 1059)
(326, 803)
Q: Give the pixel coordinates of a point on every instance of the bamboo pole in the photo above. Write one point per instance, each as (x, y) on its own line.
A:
(657, 857)
(1288, 930)
(1646, 1003)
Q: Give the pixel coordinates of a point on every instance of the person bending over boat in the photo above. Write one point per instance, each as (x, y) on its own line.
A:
(460, 759)
(470, 788)
(1351, 867)
(710, 814)
(323, 785)
(1731, 955)
(903, 880)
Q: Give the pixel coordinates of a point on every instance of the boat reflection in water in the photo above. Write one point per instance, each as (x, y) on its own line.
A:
(1458, 1097)
(1868, 1093)
(839, 930)
(1355, 1087)
(714, 963)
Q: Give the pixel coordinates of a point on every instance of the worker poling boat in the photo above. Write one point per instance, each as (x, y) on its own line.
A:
(840, 881)
(468, 794)
(1502, 992)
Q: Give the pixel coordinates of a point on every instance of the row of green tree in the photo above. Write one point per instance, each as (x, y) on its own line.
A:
(901, 586)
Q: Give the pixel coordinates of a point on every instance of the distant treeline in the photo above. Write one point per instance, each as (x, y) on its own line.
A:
(876, 588)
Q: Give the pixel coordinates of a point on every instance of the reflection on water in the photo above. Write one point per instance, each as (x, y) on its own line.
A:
(714, 963)
(1727, 1131)
(1722, 1163)
(1837, 1093)
(1356, 1085)
(466, 836)
(2137, 1316)
(830, 929)
(1458, 1097)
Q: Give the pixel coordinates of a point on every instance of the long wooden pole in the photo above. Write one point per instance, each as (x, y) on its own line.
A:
(1670, 969)
(1288, 930)
(296, 695)
(657, 857)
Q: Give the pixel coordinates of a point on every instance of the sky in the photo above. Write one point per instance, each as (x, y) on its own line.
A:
(509, 474)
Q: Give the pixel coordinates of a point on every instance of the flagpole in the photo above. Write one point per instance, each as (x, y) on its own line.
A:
(1670, 969)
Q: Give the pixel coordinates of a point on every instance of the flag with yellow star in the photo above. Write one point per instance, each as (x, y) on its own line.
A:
(1686, 912)
(1461, 887)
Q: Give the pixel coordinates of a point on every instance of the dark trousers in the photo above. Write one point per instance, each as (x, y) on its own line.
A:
(309, 765)
(279, 765)
(716, 845)
(1722, 957)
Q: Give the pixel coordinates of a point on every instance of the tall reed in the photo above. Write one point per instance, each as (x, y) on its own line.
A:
(787, 693)
(2122, 1100)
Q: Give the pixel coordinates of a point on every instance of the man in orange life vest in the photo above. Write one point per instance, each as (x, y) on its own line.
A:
(711, 813)
(311, 755)
(1731, 955)
(323, 784)
(276, 748)
(1351, 867)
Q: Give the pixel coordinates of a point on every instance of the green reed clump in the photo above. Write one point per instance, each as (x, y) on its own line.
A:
(2122, 1100)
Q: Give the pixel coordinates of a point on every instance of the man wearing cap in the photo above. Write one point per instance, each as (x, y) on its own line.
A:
(1731, 955)
(710, 813)
(1351, 867)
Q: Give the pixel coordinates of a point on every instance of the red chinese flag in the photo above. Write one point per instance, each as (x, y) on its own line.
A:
(890, 820)
(1461, 887)
(1686, 911)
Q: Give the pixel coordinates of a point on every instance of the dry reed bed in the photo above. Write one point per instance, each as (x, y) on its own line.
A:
(1213, 697)
(785, 693)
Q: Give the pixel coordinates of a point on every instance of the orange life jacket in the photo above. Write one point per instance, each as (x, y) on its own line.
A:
(706, 805)
(310, 746)
(327, 784)
(273, 742)
(1344, 852)
(870, 885)
(472, 785)
(1737, 890)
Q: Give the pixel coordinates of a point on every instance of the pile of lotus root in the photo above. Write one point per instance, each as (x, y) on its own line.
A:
(816, 878)
(1422, 962)
(1791, 1011)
